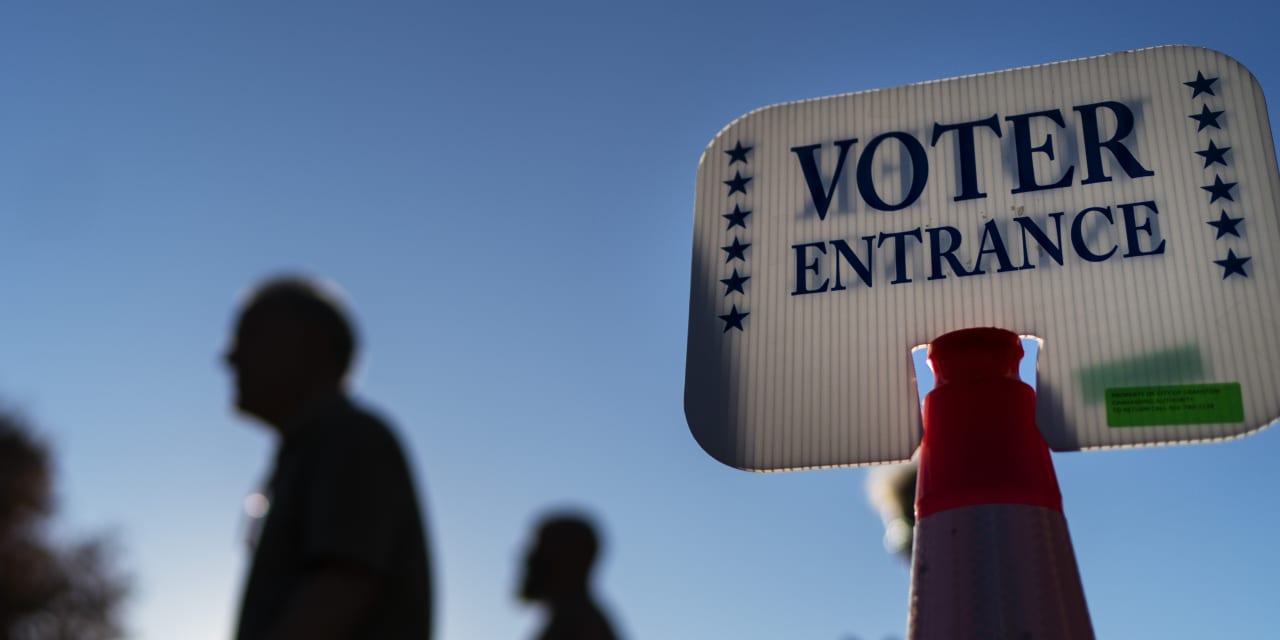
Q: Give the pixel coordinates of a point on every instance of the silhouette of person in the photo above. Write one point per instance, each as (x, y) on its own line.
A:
(341, 552)
(557, 575)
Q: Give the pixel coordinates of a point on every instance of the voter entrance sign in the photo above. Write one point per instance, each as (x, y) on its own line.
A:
(1123, 209)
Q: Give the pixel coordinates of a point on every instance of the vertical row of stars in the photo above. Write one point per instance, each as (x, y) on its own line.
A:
(737, 250)
(1220, 189)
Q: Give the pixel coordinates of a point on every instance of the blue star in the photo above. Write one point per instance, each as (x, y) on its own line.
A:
(1231, 265)
(733, 319)
(737, 250)
(1206, 118)
(738, 152)
(738, 184)
(1220, 189)
(734, 283)
(736, 219)
(1226, 224)
(1214, 154)
(1201, 85)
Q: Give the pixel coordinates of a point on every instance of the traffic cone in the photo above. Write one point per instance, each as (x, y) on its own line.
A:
(992, 556)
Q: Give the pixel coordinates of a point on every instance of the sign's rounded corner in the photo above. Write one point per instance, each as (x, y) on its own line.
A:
(724, 130)
(1265, 426)
(1253, 80)
(716, 453)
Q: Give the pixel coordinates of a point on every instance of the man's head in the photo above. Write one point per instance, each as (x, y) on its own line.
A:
(292, 341)
(559, 564)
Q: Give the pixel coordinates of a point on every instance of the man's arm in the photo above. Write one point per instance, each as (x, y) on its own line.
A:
(329, 604)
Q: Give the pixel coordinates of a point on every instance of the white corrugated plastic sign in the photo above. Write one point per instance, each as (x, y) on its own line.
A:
(1121, 208)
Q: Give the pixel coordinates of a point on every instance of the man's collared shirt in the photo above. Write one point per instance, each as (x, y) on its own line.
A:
(342, 492)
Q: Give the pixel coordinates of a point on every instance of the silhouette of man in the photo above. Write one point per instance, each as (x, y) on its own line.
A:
(557, 574)
(341, 552)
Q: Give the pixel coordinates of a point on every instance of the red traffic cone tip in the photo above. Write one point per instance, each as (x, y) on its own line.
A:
(981, 445)
(975, 353)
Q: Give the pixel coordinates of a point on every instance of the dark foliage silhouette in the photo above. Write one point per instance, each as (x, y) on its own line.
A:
(48, 591)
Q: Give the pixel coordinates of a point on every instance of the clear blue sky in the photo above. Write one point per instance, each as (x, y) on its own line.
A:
(505, 191)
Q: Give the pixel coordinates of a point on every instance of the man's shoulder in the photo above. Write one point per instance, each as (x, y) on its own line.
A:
(347, 425)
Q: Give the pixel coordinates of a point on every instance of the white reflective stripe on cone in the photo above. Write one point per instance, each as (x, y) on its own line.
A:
(996, 572)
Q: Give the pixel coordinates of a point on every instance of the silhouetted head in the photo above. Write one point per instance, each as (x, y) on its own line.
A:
(292, 342)
(559, 564)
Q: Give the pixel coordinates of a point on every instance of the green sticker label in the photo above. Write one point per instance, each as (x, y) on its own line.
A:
(1174, 404)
